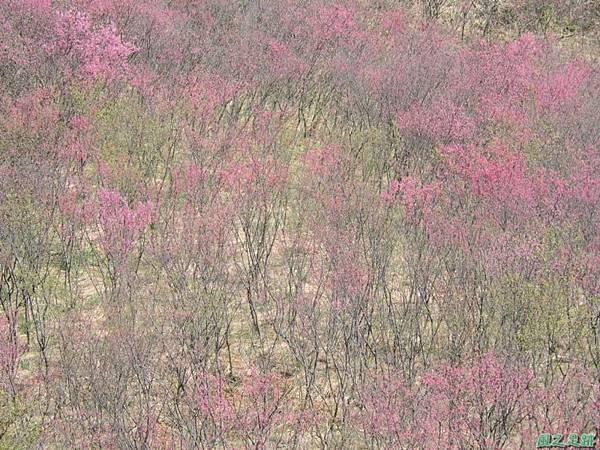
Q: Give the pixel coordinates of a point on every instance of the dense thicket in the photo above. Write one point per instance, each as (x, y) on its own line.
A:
(298, 224)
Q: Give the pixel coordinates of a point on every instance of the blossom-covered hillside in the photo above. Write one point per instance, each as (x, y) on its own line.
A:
(299, 224)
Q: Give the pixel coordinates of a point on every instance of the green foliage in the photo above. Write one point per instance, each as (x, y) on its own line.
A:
(133, 141)
(19, 430)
